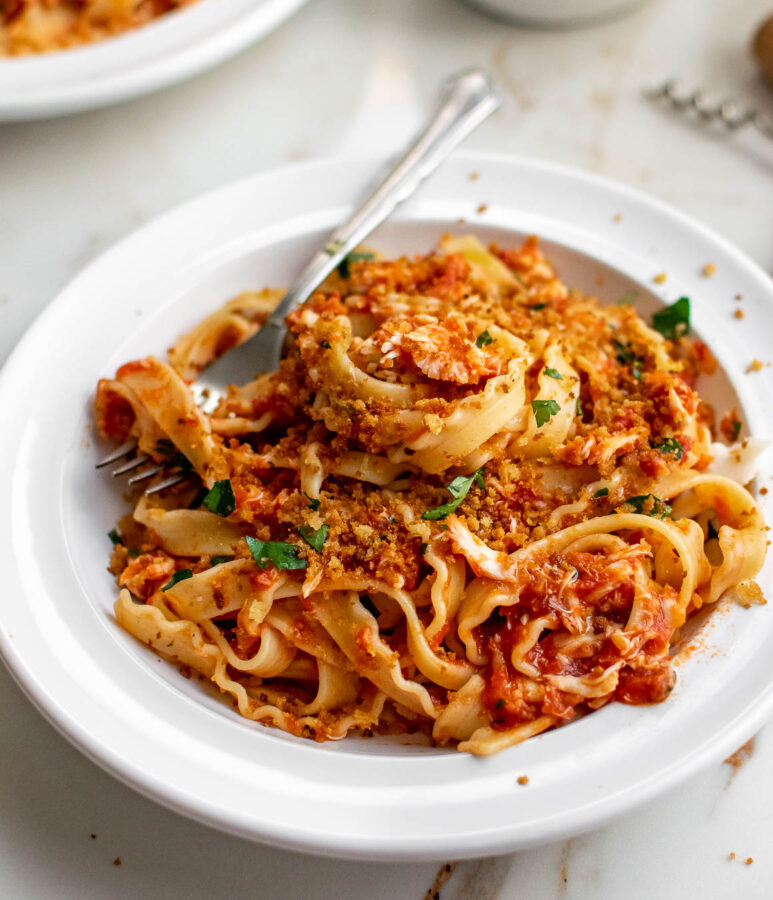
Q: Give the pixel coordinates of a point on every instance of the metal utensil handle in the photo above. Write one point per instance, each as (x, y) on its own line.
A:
(466, 100)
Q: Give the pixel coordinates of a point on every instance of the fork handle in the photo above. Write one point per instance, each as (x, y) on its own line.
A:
(466, 100)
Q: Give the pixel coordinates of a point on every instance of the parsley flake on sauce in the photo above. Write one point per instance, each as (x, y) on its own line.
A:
(220, 498)
(735, 425)
(670, 445)
(673, 322)
(601, 492)
(115, 537)
(483, 339)
(180, 575)
(459, 488)
(354, 256)
(279, 553)
(217, 560)
(315, 539)
(543, 410)
(553, 373)
(314, 504)
(649, 505)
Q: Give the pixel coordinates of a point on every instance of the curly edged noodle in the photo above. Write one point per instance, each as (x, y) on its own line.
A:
(328, 650)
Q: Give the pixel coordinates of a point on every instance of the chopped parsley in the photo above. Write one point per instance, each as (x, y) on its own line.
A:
(553, 373)
(354, 256)
(133, 552)
(313, 503)
(670, 445)
(173, 456)
(278, 553)
(626, 355)
(315, 539)
(649, 505)
(543, 410)
(537, 307)
(423, 547)
(217, 560)
(499, 704)
(325, 345)
(179, 575)
(735, 426)
(483, 339)
(459, 488)
(578, 407)
(220, 498)
(673, 322)
(601, 492)
(115, 537)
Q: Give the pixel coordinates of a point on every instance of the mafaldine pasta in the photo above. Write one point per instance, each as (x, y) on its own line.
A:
(470, 503)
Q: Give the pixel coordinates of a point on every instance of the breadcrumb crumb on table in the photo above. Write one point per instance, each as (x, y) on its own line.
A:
(731, 855)
(755, 366)
(523, 780)
(117, 861)
(749, 860)
(660, 278)
(709, 270)
(738, 314)
(618, 218)
(482, 208)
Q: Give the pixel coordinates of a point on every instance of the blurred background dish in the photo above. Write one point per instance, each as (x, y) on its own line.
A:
(557, 13)
(163, 52)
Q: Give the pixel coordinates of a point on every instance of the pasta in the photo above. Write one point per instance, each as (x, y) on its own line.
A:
(38, 26)
(470, 503)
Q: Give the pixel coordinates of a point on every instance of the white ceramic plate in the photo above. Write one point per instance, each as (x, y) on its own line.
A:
(164, 52)
(177, 743)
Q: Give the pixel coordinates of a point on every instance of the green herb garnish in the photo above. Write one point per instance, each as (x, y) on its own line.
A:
(735, 425)
(325, 345)
(543, 410)
(220, 498)
(343, 266)
(179, 575)
(315, 539)
(601, 492)
(670, 445)
(115, 537)
(499, 704)
(578, 407)
(649, 505)
(217, 560)
(313, 503)
(537, 306)
(279, 553)
(483, 339)
(423, 547)
(674, 321)
(173, 456)
(553, 373)
(459, 488)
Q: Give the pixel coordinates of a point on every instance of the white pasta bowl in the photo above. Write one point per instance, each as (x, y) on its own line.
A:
(164, 52)
(180, 744)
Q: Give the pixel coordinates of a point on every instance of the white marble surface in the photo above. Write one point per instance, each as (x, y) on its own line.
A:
(353, 76)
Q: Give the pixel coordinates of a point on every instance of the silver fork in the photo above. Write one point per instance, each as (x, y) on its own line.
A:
(466, 100)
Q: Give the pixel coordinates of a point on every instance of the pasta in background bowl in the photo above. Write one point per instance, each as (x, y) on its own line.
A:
(386, 796)
(58, 57)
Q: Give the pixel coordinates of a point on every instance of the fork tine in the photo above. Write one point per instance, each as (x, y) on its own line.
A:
(132, 464)
(123, 450)
(167, 483)
(145, 474)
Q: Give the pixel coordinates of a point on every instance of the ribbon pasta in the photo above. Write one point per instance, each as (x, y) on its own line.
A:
(470, 502)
